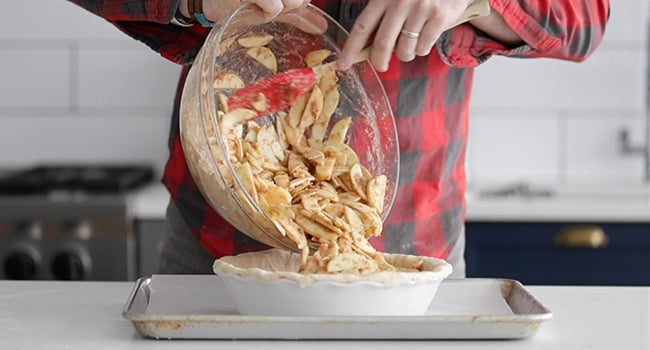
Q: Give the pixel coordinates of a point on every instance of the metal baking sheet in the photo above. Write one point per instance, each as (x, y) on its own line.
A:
(198, 307)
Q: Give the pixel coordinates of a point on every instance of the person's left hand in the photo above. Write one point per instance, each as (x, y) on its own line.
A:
(293, 12)
(408, 27)
(215, 10)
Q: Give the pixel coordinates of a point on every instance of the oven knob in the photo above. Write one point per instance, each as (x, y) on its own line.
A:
(21, 265)
(70, 266)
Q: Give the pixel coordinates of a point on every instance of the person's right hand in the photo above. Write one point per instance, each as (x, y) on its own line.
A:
(409, 28)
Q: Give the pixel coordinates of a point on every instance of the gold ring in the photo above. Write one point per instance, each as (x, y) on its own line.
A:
(410, 34)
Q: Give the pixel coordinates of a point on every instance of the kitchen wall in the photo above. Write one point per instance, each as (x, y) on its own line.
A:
(76, 89)
(557, 122)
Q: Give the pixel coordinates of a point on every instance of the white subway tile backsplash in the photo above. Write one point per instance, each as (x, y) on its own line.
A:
(592, 100)
(508, 146)
(593, 149)
(34, 77)
(122, 138)
(123, 78)
(608, 79)
(77, 89)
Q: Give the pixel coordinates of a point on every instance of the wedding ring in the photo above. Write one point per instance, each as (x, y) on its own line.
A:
(410, 34)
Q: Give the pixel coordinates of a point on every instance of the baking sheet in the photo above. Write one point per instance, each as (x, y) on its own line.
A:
(198, 307)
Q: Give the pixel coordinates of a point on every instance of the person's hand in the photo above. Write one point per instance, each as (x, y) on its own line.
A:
(270, 8)
(216, 10)
(408, 27)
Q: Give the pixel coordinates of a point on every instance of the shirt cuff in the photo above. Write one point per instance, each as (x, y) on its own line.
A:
(466, 46)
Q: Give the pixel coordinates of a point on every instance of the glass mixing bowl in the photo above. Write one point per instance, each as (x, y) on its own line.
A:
(372, 134)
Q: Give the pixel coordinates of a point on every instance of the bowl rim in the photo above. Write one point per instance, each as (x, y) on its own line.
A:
(227, 267)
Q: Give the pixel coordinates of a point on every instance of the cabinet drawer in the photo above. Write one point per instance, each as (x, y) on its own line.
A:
(530, 253)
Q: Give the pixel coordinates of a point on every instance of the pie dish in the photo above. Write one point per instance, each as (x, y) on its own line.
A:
(267, 283)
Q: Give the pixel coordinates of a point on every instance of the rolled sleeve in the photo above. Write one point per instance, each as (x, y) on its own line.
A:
(148, 21)
(157, 11)
(569, 29)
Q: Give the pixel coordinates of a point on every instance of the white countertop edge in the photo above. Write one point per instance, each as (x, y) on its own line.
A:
(550, 209)
(150, 203)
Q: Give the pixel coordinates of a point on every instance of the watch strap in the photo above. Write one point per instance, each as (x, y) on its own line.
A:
(180, 20)
(195, 8)
(200, 17)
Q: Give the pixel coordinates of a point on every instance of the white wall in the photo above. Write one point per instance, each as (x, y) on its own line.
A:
(554, 121)
(76, 89)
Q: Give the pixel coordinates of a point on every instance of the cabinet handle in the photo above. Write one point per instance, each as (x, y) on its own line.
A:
(581, 236)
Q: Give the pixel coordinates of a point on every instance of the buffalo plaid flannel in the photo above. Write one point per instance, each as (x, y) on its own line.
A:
(430, 99)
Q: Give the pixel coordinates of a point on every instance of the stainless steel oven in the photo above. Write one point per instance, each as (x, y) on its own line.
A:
(69, 222)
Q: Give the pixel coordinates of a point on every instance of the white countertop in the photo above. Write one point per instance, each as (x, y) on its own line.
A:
(613, 204)
(87, 315)
(557, 210)
(590, 203)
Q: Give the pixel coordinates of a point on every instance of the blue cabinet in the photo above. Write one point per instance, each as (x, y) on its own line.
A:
(560, 253)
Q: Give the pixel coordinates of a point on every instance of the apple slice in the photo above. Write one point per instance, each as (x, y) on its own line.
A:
(254, 40)
(264, 56)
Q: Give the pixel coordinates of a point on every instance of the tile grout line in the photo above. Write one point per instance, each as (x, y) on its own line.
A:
(553, 112)
(100, 111)
(74, 78)
(61, 43)
(563, 119)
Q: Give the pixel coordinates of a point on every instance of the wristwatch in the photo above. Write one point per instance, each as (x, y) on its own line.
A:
(181, 20)
(195, 9)
(200, 17)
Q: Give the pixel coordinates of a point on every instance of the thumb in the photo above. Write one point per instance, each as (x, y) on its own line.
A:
(269, 8)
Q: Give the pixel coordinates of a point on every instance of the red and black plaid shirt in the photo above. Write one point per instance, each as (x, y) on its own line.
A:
(430, 99)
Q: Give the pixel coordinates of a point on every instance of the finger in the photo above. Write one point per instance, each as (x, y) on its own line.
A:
(438, 22)
(387, 36)
(270, 8)
(362, 30)
(406, 44)
(289, 5)
(430, 33)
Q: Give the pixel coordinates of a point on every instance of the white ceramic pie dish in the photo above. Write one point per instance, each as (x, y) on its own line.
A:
(267, 283)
